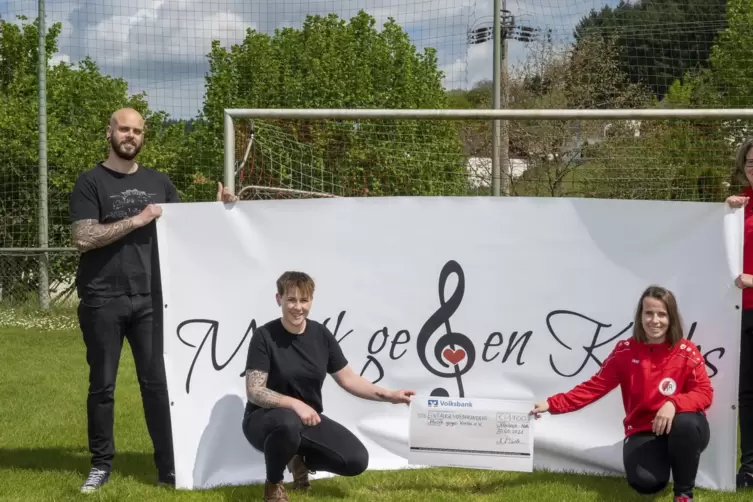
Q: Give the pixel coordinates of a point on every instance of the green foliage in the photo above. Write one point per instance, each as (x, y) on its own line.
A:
(331, 63)
(586, 77)
(19, 49)
(80, 100)
(732, 57)
(687, 160)
(669, 160)
(661, 40)
(703, 150)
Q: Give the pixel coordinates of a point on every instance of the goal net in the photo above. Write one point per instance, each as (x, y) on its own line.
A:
(660, 159)
(336, 158)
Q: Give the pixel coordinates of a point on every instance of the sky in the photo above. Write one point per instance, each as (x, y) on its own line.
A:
(160, 46)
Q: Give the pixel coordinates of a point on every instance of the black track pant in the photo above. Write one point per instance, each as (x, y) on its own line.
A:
(105, 322)
(327, 446)
(649, 459)
(745, 396)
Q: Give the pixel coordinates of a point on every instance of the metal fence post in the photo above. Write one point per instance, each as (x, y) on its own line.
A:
(44, 280)
(496, 101)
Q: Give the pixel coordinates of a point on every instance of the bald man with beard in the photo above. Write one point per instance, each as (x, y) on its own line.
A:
(113, 208)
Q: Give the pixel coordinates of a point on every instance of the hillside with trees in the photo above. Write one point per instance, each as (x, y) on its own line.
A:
(658, 41)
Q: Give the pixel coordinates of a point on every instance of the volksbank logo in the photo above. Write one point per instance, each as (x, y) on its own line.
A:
(434, 403)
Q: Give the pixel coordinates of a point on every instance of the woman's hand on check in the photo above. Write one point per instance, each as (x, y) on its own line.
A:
(539, 408)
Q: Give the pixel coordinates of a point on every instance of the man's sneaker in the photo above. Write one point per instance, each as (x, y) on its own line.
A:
(300, 473)
(167, 480)
(683, 498)
(95, 480)
(744, 480)
(275, 492)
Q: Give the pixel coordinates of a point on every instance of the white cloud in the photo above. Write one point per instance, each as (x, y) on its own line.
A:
(58, 58)
(160, 46)
(166, 31)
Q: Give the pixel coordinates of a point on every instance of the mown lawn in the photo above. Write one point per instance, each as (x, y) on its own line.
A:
(43, 444)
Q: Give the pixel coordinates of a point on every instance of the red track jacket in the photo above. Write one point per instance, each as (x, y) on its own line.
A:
(649, 375)
(748, 247)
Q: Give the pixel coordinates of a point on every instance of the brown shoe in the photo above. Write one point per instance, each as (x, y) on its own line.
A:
(275, 492)
(300, 473)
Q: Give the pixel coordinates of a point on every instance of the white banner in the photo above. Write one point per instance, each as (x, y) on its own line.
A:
(526, 295)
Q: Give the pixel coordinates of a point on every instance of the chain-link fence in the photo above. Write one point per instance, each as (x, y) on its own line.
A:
(19, 277)
(182, 63)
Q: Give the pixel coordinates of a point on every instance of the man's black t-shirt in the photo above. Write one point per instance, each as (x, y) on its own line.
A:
(130, 264)
(296, 364)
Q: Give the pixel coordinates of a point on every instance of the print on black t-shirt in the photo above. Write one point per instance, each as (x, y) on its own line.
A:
(296, 364)
(128, 265)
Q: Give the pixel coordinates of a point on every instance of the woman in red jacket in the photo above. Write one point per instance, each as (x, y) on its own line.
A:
(665, 390)
(743, 179)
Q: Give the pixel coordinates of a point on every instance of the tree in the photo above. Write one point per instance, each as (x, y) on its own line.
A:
(661, 40)
(476, 135)
(731, 57)
(670, 159)
(586, 76)
(80, 101)
(331, 63)
(703, 151)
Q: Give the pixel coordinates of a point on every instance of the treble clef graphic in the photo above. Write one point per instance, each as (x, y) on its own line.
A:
(445, 345)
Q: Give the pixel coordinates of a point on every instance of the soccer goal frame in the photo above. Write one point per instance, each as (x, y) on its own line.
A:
(230, 114)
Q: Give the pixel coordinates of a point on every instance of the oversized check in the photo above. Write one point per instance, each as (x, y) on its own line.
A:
(466, 432)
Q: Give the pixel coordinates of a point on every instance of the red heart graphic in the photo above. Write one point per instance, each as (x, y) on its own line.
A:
(454, 356)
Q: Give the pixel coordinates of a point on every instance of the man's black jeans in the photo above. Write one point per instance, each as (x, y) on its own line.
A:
(105, 322)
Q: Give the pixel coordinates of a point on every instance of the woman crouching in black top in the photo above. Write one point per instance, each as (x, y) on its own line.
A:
(288, 359)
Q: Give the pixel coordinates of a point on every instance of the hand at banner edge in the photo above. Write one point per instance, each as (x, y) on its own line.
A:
(736, 201)
(744, 281)
(224, 194)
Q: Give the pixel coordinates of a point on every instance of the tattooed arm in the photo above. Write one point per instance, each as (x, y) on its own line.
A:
(258, 393)
(89, 234)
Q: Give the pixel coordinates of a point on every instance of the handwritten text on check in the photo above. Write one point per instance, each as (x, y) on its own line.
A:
(476, 433)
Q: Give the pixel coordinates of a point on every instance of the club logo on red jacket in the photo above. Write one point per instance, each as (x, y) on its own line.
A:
(667, 386)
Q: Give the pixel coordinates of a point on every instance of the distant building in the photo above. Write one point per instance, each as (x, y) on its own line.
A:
(480, 170)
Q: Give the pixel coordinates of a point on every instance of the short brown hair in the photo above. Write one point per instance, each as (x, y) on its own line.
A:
(675, 331)
(291, 280)
(739, 180)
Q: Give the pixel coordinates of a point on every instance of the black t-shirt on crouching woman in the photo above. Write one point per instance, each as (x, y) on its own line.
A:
(297, 364)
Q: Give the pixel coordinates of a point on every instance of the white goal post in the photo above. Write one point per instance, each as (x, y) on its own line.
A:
(460, 114)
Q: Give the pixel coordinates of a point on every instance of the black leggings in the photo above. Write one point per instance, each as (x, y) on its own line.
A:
(649, 458)
(745, 394)
(327, 446)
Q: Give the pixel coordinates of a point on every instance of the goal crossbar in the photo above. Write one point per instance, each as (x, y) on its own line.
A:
(461, 114)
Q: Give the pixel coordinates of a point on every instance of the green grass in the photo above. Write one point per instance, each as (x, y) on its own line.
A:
(43, 452)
